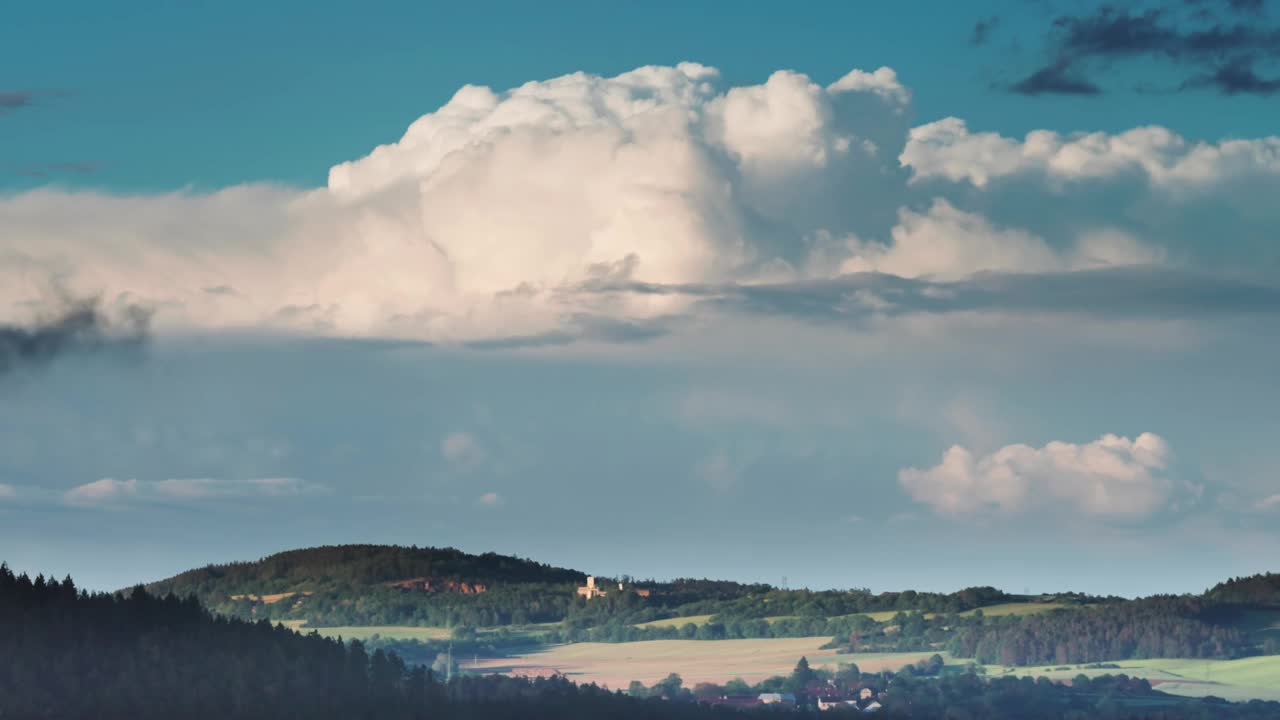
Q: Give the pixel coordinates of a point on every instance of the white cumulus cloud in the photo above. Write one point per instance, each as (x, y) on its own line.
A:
(483, 217)
(947, 149)
(948, 243)
(490, 215)
(1112, 476)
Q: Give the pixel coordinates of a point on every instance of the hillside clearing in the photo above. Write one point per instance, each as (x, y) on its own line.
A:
(392, 632)
(269, 599)
(1015, 608)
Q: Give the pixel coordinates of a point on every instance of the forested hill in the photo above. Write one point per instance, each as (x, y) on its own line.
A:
(1256, 590)
(447, 588)
(318, 568)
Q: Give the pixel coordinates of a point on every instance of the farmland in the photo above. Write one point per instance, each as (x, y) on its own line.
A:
(617, 664)
(1015, 608)
(1243, 679)
(998, 610)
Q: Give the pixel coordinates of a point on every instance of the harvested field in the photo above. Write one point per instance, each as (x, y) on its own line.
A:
(617, 664)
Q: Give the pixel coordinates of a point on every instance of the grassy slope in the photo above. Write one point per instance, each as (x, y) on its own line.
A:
(1243, 679)
(366, 631)
(1015, 608)
(677, 622)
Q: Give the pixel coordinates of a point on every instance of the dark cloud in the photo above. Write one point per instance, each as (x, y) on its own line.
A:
(983, 29)
(83, 329)
(1056, 79)
(1218, 41)
(1132, 292)
(11, 100)
(1236, 78)
(14, 100)
(1243, 7)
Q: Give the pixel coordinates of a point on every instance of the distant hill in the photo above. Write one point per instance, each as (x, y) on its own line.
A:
(1256, 590)
(381, 584)
(377, 585)
(317, 568)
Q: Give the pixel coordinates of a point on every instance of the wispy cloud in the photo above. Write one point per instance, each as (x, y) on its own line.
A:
(109, 492)
(1269, 503)
(45, 171)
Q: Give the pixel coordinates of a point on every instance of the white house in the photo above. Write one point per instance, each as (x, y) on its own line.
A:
(777, 699)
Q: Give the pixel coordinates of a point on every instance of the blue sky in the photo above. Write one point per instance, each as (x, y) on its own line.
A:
(163, 95)
(859, 296)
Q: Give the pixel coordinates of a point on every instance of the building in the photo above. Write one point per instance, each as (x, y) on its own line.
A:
(735, 701)
(777, 699)
(591, 590)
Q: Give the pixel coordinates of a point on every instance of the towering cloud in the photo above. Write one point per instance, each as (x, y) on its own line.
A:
(489, 210)
(496, 219)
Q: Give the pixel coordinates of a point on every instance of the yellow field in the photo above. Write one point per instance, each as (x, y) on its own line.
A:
(1238, 680)
(617, 664)
(1015, 608)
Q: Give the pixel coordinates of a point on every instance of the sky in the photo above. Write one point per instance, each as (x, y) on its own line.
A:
(914, 295)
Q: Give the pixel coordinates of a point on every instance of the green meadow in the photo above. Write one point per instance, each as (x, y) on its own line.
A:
(1244, 679)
